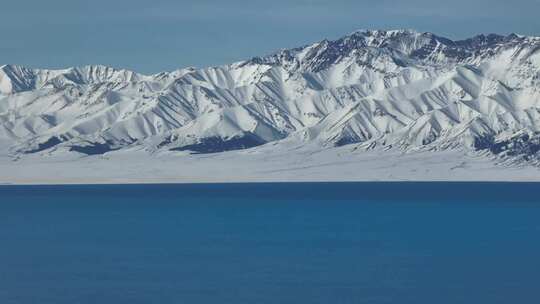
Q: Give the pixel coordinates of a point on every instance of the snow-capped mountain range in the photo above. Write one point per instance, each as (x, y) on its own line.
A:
(396, 89)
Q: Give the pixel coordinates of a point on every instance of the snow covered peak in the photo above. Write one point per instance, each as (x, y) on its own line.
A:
(389, 88)
(398, 45)
(15, 78)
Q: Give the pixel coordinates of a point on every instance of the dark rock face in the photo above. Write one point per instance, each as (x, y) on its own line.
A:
(346, 140)
(483, 41)
(523, 145)
(418, 46)
(88, 148)
(51, 142)
(217, 144)
(94, 148)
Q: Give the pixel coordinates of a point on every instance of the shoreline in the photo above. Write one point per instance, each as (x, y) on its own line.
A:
(232, 182)
(262, 166)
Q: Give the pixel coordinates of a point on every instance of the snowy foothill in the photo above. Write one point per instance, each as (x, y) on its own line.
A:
(372, 105)
(269, 163)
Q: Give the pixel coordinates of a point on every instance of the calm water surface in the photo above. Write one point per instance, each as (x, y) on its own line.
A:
(271, 243)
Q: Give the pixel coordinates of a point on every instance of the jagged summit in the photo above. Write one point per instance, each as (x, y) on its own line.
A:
(395, 89)
(15, 78)
(399, 45)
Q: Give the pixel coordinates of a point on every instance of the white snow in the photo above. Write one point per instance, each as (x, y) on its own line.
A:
(269, 163)
(424, 100)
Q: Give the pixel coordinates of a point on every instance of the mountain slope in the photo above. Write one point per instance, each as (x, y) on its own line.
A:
(393, 89)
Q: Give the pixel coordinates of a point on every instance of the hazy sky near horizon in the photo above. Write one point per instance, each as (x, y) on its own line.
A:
(156, 35)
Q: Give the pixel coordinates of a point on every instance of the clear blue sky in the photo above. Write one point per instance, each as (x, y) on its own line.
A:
(155, 35)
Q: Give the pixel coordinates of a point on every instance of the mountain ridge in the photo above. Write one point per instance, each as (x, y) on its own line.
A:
(372, 88)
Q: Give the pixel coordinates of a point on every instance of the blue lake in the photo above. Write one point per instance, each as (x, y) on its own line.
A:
(271, 243)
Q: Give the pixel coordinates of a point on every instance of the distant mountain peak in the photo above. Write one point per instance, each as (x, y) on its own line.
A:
(372, 88)
(424, 46)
